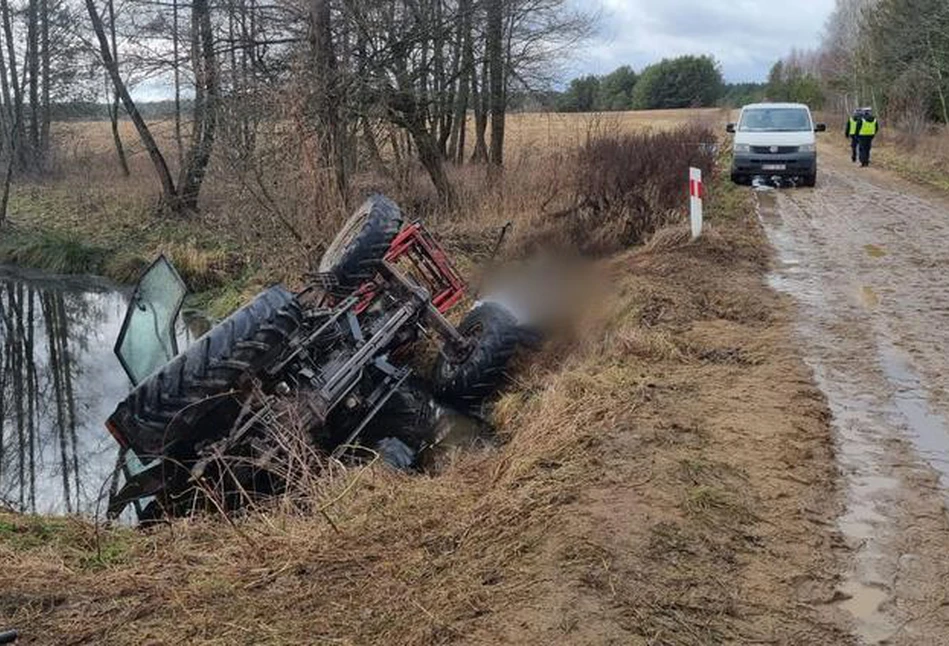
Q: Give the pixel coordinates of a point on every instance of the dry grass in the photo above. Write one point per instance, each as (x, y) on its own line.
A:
(273, 217)
(923, 159)
(648, 491)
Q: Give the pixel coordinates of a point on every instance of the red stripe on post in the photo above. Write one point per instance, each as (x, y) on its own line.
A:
(695, 188)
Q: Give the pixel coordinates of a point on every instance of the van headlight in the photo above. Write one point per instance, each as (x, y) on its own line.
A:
(808, 148)
(741, 148)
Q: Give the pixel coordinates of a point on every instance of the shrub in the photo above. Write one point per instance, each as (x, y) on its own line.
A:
(625, 186)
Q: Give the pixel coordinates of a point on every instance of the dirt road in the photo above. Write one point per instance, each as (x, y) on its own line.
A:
(866, 257)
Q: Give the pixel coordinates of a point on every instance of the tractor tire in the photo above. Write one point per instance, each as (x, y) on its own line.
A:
(165, 412)
(357, 250)
(496, 337)
(409, 415)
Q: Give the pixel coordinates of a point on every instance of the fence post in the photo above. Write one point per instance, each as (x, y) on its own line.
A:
(696, 193)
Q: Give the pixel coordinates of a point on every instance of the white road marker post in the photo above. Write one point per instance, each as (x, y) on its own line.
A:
(696, 192)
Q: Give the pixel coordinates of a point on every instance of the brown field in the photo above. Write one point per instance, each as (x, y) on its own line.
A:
(523, 130)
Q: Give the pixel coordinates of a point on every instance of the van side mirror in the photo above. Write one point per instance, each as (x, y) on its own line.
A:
(730, 128)
(820, 127)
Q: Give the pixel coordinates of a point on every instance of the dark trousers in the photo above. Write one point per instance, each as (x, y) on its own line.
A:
(866, 143)
(854, 142)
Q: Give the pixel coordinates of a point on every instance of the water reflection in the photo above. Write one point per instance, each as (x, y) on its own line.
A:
(58, 381)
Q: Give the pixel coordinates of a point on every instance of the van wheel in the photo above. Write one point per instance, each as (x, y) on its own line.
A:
(809, 181)
(741, 180)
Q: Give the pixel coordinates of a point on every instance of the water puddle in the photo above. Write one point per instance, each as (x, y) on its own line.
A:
(454, 431)
(59, 381)
(912, 413)
(865, 602)
(874, 251)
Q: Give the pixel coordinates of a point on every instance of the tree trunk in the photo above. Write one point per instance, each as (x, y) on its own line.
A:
(114, 109)
(158, 161)
(480, 97)
(940, 86)
(431, 159)
(327, 92)
(372, 146)
(205, 108)
(176, 64)
(16, 114)
(12, 152)
(456, 144)
(45, 113)
(6, 113)
(33, 65)
(495, 56)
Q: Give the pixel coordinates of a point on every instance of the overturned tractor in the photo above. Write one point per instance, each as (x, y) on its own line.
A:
(198, 432)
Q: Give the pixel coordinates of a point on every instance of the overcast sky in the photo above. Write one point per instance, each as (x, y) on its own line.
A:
(745, 36)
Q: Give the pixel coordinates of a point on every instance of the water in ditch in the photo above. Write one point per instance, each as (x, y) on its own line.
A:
(59, 381)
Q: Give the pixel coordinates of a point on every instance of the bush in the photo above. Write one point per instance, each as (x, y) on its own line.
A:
(624, 187)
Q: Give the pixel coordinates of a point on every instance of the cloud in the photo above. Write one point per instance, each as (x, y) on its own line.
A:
(745, 36)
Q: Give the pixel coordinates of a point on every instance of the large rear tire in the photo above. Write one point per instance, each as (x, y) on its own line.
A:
(357, 250)
(495, 336)
(168, 411)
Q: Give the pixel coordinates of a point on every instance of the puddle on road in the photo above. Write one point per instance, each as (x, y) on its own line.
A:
(874, 251)
(59, 381)
(913, 414)
(865, 602)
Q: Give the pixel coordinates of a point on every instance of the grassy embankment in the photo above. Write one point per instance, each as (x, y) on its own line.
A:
(924, 159)
(649, 489)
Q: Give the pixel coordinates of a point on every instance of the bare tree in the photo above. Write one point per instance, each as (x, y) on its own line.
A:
(169, 193)
(326, 91)
(114, 107)
(496, 64)
(204, 120)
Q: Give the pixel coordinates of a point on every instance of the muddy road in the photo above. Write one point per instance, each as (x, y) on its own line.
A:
(865, 256)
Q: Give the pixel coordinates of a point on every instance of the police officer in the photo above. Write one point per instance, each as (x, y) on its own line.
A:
(869, 127)
(850, 130)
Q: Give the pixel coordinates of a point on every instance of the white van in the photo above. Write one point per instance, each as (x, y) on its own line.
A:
(775, 139)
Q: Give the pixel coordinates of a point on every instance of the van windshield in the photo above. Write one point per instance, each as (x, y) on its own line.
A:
(775, 120)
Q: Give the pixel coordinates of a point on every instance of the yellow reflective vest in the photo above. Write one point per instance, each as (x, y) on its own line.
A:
(852, 127)
(868, 128)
